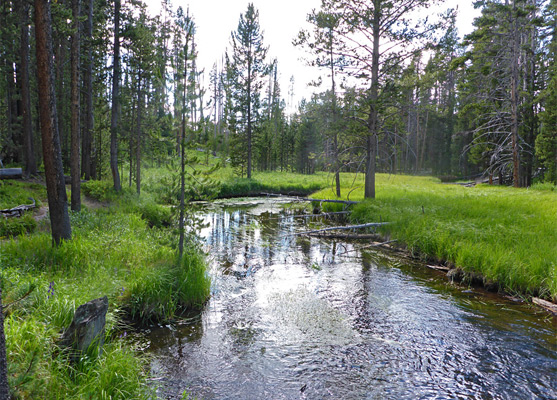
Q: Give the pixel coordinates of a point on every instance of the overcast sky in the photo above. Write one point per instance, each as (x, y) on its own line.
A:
(280, 22)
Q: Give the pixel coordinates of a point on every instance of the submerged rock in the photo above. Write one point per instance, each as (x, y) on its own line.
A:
(86, 331)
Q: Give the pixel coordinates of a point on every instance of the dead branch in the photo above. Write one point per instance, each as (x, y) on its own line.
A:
(334, 228)
(19, 210)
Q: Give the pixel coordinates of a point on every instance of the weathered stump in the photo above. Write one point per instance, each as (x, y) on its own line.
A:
(87, 328)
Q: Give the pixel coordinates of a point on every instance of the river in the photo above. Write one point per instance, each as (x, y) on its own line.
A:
(309, 318)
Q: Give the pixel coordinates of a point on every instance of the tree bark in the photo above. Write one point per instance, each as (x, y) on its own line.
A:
(138, 137)
(115, 115)
(75, 142)
(369, 191)
(514, 100)
(28, 145)
(4, 388)
(52, 155)
(87, 137)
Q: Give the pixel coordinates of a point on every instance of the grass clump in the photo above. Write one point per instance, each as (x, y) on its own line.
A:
(158, 295)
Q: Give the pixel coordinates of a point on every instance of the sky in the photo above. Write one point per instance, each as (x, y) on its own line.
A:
(280, 21)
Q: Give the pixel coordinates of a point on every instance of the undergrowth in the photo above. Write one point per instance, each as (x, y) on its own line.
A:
(126, 251)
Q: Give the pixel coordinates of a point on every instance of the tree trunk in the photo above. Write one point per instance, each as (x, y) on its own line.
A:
(74, 159)
(514, 101)
(28, 145)
(249, 119)
(4, 388)
(138, 137)
(369, 192)
(87, 137)
(183, 151)
(52, 155)
(115, 114)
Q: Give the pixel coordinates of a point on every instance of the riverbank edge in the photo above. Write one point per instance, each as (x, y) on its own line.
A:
(456, 273)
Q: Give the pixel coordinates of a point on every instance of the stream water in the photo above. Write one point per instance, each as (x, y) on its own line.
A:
(309, 318)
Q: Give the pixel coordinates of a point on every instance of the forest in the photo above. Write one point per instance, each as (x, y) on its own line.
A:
(107, 118)
(399, 99)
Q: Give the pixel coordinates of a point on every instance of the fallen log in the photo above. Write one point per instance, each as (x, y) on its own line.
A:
(347, 202)
(439, 267)
(11, 173)
(328, 214)
(294, 199)
(19, 210)
(549, 306)
(333, 228)
(354, 236)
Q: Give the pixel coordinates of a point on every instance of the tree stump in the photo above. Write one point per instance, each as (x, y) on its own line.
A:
(86, 332)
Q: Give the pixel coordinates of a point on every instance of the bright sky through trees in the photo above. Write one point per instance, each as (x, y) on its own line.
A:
(281, 22)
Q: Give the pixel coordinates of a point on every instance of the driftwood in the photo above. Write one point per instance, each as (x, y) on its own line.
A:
(328, 214)
(549, 306)
(11, 173)
(334, 228)
(19, 210)
(352, 236)
(439, 268)
(347, 202)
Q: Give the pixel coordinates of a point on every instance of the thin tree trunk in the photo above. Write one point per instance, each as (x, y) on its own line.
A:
(28, 145)
(138, 137)
(87, 137)
(334, 118)
(52, 155)
(4, 388)
(249, 119)
(371, 152)
(183, 151)
(514, 101)
(75, 143)
(115, 116)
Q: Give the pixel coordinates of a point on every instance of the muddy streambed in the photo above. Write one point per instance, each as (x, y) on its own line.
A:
(311, 318)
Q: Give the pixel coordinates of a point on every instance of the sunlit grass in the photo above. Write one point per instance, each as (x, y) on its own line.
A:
(119, 251)
(508, 235)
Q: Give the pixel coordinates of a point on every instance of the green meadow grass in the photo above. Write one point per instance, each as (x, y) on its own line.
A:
(507, 235)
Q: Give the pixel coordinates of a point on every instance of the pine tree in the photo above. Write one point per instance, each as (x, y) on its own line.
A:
(52, 155)
(248, 61)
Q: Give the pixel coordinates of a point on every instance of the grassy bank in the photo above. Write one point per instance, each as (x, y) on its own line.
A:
(507, 235)
(124, 251)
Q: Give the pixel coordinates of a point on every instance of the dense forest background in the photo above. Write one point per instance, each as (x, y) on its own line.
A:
(402, 96)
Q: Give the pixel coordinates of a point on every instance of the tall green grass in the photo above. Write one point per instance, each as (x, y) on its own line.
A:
(507, 235)
(124, 251)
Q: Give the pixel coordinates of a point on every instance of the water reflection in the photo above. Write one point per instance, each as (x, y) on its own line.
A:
(298, 318)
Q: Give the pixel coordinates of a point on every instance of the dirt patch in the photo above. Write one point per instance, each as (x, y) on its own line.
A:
(40, 213)
(92, 204)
